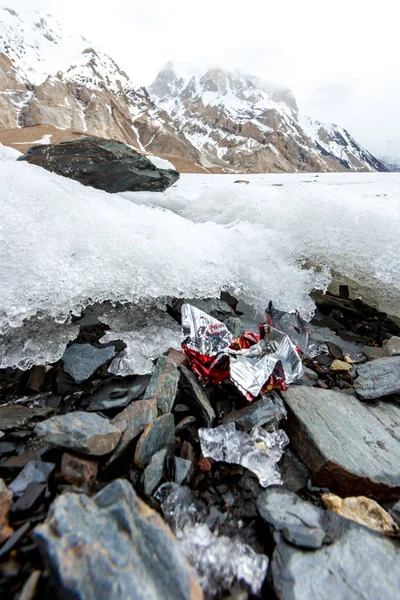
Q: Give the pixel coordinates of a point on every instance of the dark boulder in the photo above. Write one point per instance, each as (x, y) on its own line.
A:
(103, 164)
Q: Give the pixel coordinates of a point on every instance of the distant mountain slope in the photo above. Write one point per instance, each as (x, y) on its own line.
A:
(243, 122)
(220, 121)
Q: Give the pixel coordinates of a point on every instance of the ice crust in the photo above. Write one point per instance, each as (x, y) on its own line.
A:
(147, 334)
(65, 246)
(219, 561)
(259, 451)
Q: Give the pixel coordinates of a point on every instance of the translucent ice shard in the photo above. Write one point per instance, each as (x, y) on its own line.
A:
(259, 451)
(146, 333)
(219, 561)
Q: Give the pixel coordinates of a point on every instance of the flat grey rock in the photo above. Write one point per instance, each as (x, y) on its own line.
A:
(157, 435)
(113, 547)
(82, 360)
(350, 447)
(359, 565)
(163, 384)
(132, 420)
(182, 469)
(195, 396)
(154, 472)
(260, 412)
(17, 416)
(118, 394)
(299, 522)
(378, 378)
(87, 433)
(35, 471)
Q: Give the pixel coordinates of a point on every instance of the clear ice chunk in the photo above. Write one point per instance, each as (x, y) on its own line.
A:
(146, 333)
(219, 561)
(259, 451)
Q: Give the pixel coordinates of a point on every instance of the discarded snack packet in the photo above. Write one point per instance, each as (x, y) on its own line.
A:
(254, 363)
(290, 323)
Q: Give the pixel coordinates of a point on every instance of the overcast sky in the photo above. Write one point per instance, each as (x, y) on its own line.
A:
(341, 58)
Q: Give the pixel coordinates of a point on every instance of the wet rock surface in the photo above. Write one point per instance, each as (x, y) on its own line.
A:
(118, 548)
(103, 164)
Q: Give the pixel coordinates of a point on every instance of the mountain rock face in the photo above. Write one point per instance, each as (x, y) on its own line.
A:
(242, 122)
(50, 78)
(218, 120)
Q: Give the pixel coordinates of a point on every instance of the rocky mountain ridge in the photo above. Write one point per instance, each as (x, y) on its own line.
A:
(218, 120)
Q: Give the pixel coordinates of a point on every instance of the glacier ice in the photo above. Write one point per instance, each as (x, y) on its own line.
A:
(147, 334)
(259, 451)
(219, 561)
(65, 246)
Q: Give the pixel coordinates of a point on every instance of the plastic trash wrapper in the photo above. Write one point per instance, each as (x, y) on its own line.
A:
(254, 363)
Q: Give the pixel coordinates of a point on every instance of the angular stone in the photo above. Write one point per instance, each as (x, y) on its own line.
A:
(235, 326)
(30, 586)
(30, 498)
(77, 470)
(109, 396)
(6, 497)
(7, 448)
(299, 522)
(83, 432)
(113, 547)
(309, 377)
(157, 435)
(372, 352)
(340, 366)
(195, 396)
(35, 471)
(182, 469)
(178, 357)
(103, 164)
(37, 376)
(133, 420)
(363, 510)
(378, 378)
(260, 412)
(350, 447)
(186, 422)
(17, 416)
(14, 539)
(391, 347)
(154, 472)
(163, 384)
(294, 473)
(81, 361)
(359, 564)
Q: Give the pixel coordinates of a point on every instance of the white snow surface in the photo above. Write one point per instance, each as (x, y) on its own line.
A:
(8, 154)
(66, 246)
(160, 163)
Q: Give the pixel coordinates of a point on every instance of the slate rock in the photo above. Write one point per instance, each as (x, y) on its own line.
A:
(391, 347)
(30, 498)
(359, 564)
(351, 448)
(16, 416)
(133, 419)
(7, 448)
(378, 378)
(77, 470)
(117, 548)
(183, 468)
(36, 471)
(163, 384)
(16, 537)
(235, 326)
(83, 432)
(110, 396)
(185, 423)
(103, 164)
(81, 361)
(157, 435)
(259, 412)
(196, 397)
(309, 377)
(293, 472)
(300, 522)
(154, 472)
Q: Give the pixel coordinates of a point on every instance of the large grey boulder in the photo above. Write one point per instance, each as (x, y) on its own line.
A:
(350, 447)
(103, 164)
(378, 378)
(87, 433)
(113, 547)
